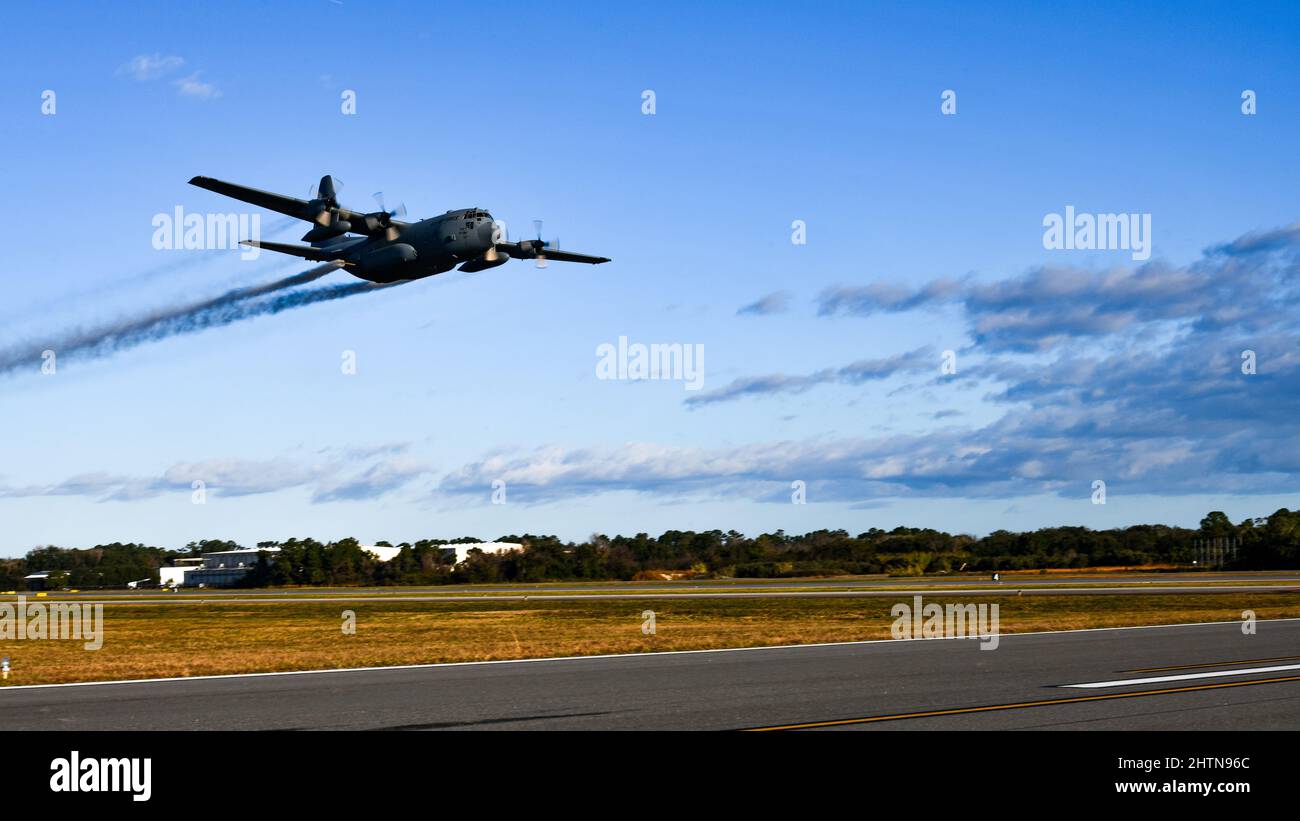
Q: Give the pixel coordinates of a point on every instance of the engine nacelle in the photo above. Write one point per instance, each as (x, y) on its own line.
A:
(324, 232)
(483, 263)
(389, 259)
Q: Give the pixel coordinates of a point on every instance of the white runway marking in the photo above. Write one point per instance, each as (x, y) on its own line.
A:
(1183, 677)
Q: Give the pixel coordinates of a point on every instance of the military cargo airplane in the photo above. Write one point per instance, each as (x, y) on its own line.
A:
(387, 249)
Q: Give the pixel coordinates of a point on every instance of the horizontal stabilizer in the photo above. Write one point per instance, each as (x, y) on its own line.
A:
(304, 251)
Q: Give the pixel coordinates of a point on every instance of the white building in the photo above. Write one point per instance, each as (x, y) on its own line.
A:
(38, 581)
(226, 567)
(457, 553)
(383, 553)
(175, 576)
(218, 569)
(453, 553)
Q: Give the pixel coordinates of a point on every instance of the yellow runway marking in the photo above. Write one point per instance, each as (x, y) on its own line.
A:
(1021, 705)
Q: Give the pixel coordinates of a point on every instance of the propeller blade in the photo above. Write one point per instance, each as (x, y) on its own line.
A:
(399, 211)
(539, 247)
(500, 232)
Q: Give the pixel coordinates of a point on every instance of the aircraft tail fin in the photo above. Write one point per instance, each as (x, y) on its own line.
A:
(325, 190)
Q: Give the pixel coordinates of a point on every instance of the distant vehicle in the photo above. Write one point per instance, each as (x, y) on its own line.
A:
(387, 249)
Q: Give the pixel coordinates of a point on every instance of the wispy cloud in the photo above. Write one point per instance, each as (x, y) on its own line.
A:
(339, 475)
(146, 67)
(863, 370)
(192, 86)
(1133, 376)
(1246, 285)
(150, 66)
(379, 479)
(868, 299)
(777, 302)
(839, 469)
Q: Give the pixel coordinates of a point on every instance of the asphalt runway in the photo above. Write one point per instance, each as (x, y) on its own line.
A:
(1161, 678)
(757, 585)
(773, 594)
(1153, 584)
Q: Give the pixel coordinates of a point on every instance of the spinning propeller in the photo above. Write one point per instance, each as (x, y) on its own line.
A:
(540, 245)
(385, 216)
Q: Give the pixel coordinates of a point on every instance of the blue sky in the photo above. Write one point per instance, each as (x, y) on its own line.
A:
(924, 234)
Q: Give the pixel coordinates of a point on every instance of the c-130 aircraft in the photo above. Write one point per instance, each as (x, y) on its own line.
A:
(389, 250)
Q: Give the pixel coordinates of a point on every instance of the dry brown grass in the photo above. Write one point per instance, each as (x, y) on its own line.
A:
(149, 641)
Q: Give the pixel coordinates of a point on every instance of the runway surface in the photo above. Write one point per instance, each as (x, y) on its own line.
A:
(1163, 678)
(860, 587)
(1006, 590)
(755, 585)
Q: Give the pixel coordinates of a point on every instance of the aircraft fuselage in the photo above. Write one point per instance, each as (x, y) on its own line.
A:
(430, 246)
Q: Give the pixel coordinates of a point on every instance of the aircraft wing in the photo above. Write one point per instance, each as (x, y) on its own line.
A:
(568, 256)
(529, 250)
(290, 206)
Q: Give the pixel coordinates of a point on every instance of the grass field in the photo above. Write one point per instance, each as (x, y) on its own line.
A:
(147, 641)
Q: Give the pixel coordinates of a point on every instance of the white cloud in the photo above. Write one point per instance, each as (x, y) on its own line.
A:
(334, 475)
(145, 67)
(151, 66)
(192, 86)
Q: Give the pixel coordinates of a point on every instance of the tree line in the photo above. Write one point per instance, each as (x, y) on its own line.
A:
(1256, 544)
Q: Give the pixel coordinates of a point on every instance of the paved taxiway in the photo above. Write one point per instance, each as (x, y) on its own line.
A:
(854, 587)
(1007, 590)
(1179, 677)
(1018, 581)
